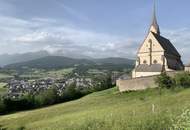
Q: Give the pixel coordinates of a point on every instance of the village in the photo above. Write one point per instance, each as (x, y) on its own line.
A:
(17, 88)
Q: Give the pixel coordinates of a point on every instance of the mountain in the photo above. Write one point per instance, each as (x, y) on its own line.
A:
(114, 60)
(55, 62)
(6, 59)
(50, 62)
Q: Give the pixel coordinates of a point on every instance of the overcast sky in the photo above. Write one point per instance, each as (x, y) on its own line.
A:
(95, 28)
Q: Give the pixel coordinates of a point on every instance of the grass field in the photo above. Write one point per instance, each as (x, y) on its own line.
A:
(4, 76)
(60, 73)
(2, 89)
(107, 110)
(43, 74)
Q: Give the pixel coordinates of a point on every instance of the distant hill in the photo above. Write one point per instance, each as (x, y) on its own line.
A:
(50, 62)
(114, 60)
(6, 59)
(15, 59)
(55, 62)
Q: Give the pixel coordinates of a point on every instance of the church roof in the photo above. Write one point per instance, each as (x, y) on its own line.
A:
(154, 21)
(149, 68)
(166, 45)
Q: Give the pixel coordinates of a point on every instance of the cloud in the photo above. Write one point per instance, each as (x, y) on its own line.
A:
(181, 40)
(34, 33)
(20, 35)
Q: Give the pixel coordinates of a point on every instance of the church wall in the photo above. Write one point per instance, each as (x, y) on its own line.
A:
(144, 74)
(144, 51)
(141, 82)
(136, 84)
(155, 56)
(146, 45)
(187, 69)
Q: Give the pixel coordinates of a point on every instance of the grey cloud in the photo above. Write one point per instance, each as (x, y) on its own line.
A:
(181, 40)
(20, 35)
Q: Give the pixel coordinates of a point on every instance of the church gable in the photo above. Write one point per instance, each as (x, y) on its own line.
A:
(150, 44)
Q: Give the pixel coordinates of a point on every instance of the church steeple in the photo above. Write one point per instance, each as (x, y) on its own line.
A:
(154, 26)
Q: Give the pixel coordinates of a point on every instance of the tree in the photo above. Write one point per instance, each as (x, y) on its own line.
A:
(2, 107)
(164, 81)
(47, 97)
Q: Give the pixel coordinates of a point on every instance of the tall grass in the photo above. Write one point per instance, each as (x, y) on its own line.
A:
(109, 110)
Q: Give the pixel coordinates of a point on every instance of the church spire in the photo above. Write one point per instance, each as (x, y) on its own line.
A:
(154, 26)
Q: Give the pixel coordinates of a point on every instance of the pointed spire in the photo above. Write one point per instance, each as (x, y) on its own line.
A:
(154, 26)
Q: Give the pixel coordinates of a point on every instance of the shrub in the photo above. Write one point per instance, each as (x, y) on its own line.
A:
(2, 106)
(47, 97)
(164, 81)
(71, 93)
(182, 80)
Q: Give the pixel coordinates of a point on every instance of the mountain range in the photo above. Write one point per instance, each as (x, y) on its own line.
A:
(43, 59)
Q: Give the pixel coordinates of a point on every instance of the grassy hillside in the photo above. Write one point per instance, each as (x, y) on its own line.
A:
(105, 110)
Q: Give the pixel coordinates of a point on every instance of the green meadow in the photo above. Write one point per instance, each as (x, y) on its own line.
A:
(37, 73)
(109, 110)
(2, 88)
(5, 76)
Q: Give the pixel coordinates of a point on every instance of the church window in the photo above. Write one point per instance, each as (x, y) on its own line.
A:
(144, 62)
(155, 61)
(150, 41)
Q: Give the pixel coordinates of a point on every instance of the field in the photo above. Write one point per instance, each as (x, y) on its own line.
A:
(2, 89)
(5, 76)
(40, 73)
(108, 110)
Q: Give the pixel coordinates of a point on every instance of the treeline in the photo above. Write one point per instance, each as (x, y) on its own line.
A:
(49, 97)
(180, 80)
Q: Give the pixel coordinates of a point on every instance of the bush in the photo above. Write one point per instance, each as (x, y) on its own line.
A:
(2, 106)
(47, 97)
(182, 80)
(165, 81)
(71, 93)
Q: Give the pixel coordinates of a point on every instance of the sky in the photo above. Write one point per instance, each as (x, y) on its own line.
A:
(92, 28)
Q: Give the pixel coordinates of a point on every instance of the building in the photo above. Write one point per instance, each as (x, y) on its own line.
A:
(187, 68)
(156, 54)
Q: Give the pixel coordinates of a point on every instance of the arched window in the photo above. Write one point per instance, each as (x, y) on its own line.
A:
(150, 41)
(138, 60)
(155, 61)
(144, 62)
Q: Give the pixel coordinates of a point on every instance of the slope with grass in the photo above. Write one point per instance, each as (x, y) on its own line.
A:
(105, 110)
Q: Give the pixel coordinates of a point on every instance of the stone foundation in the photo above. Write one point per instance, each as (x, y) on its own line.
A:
(136, 84)
(140, 83)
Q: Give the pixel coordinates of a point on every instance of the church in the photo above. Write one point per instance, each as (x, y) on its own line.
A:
(156, 54)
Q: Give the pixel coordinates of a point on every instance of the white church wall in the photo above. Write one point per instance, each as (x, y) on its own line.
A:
(144, 74)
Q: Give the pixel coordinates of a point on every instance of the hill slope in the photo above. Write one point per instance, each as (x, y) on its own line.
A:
(114, 60)
(106, 110)
(54, 62)
(6, 59)
(49, 62)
